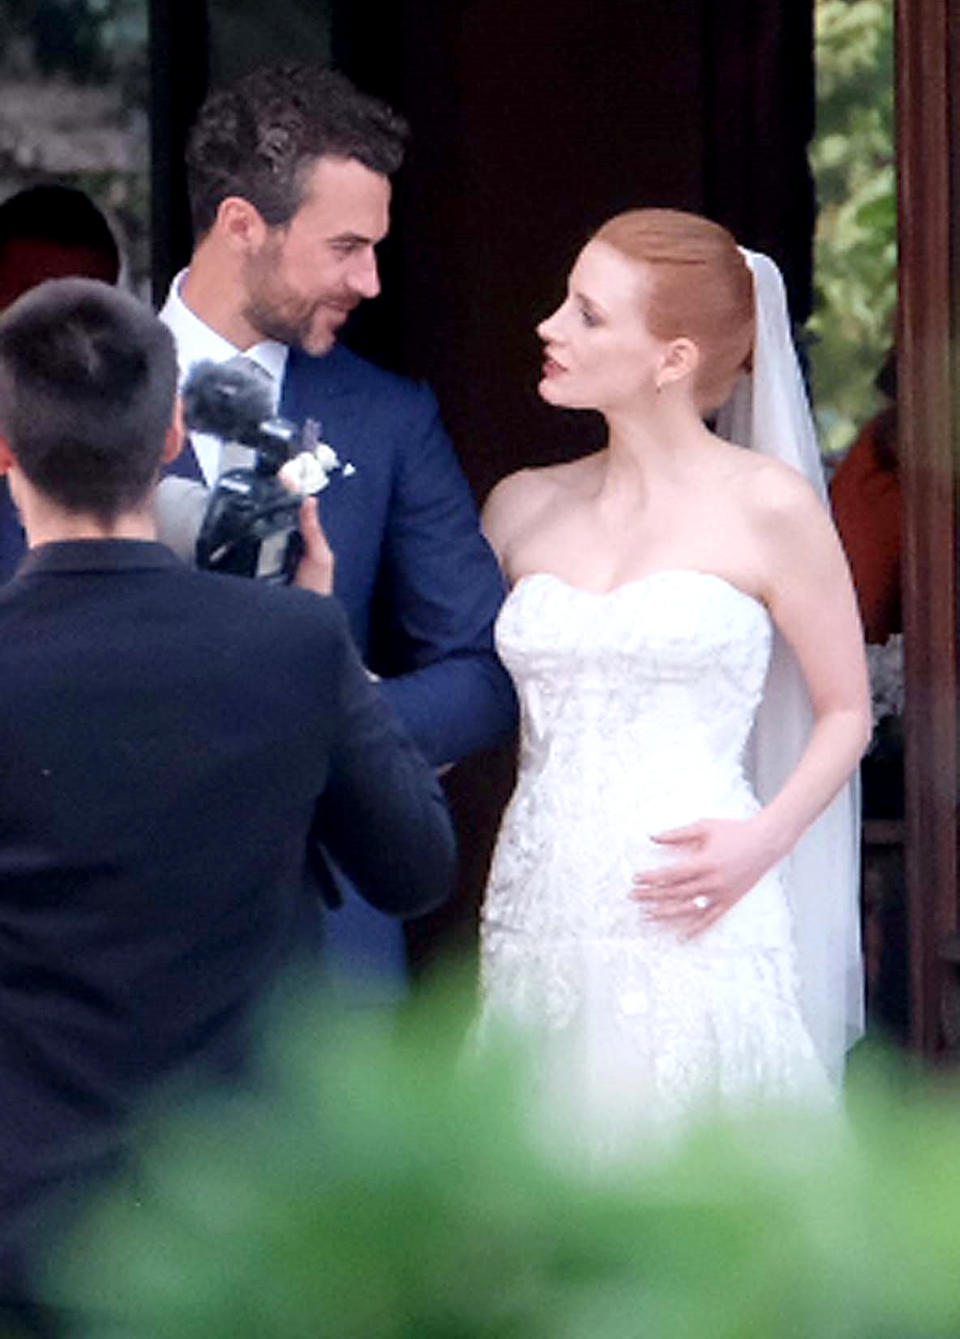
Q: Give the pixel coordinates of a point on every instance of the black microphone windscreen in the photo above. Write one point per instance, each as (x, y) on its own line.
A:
(228, 400)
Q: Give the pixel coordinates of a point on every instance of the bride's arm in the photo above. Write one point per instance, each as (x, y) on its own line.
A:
(810, 596)
(812, 601)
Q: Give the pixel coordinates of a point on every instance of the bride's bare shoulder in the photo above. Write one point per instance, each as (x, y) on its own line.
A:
(519, 498)
(777, 492)
(765, 486)
(783, 512)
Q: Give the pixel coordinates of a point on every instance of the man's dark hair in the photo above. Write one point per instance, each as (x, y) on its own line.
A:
(88, 377)
(259, 138)
(54, 213)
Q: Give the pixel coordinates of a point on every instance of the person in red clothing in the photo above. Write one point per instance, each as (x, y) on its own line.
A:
(865, 493)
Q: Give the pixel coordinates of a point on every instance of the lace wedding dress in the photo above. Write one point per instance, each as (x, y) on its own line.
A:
(636, 708)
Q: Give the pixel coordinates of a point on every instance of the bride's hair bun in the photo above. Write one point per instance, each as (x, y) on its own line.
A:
(702, 289)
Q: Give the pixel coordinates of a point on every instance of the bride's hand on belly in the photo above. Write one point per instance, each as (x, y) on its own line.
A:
(718, 860)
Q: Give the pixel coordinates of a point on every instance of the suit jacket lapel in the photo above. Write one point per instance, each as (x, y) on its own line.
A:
(330, 390)
(307, 379)
(186, 466)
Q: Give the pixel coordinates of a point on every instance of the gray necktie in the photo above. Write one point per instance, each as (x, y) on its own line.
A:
(233, 455)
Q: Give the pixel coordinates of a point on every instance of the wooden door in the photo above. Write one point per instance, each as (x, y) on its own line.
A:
(928, 61)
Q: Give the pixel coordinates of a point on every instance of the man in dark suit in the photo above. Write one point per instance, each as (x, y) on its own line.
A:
(289, 174)
(176, 746)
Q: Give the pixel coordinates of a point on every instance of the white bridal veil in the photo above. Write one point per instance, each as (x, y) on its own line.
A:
(769, 412)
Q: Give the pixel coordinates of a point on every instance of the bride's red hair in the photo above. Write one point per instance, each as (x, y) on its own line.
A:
(702, 289)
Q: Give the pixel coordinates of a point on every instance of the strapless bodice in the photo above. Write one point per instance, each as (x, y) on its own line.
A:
(636, 707)
(667, 669)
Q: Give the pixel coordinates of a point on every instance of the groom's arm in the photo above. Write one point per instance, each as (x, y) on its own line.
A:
(445, 590)
(443, 586)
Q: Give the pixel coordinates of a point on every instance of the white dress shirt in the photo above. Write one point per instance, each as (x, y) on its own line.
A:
(197, 342)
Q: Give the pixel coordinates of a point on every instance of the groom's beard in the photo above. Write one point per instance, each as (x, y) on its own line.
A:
(277, 312)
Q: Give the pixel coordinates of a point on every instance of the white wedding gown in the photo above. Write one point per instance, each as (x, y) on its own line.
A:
(636, 707)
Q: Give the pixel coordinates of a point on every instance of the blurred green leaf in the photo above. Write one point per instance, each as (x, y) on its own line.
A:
(388, 1184)
(853, 161)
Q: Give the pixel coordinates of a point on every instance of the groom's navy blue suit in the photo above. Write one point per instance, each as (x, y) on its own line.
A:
(404, 531)
(12, 542)
(419, 584)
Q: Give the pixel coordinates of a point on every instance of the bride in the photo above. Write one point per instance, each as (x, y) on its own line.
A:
(683, 635)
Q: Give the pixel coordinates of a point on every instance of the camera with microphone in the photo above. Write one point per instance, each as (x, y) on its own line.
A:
(249, 527)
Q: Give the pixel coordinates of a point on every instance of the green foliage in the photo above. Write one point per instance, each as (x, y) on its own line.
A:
(855, 258)
(388, 1188)
(86, 40)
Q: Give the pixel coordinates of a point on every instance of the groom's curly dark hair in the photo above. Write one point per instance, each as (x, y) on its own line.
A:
(258, 138)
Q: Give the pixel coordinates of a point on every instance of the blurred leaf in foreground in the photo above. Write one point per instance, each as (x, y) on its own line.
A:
(387, 1184)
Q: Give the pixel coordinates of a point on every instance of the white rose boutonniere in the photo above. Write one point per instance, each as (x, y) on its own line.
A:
(309, 471)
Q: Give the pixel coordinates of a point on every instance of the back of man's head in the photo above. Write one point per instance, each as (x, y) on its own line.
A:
(50, 231)
(87, 384)
(258, 139)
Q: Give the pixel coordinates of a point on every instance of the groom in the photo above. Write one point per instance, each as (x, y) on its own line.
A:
(289, 176)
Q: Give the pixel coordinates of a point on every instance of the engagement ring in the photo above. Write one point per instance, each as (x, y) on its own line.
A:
(701, 902)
